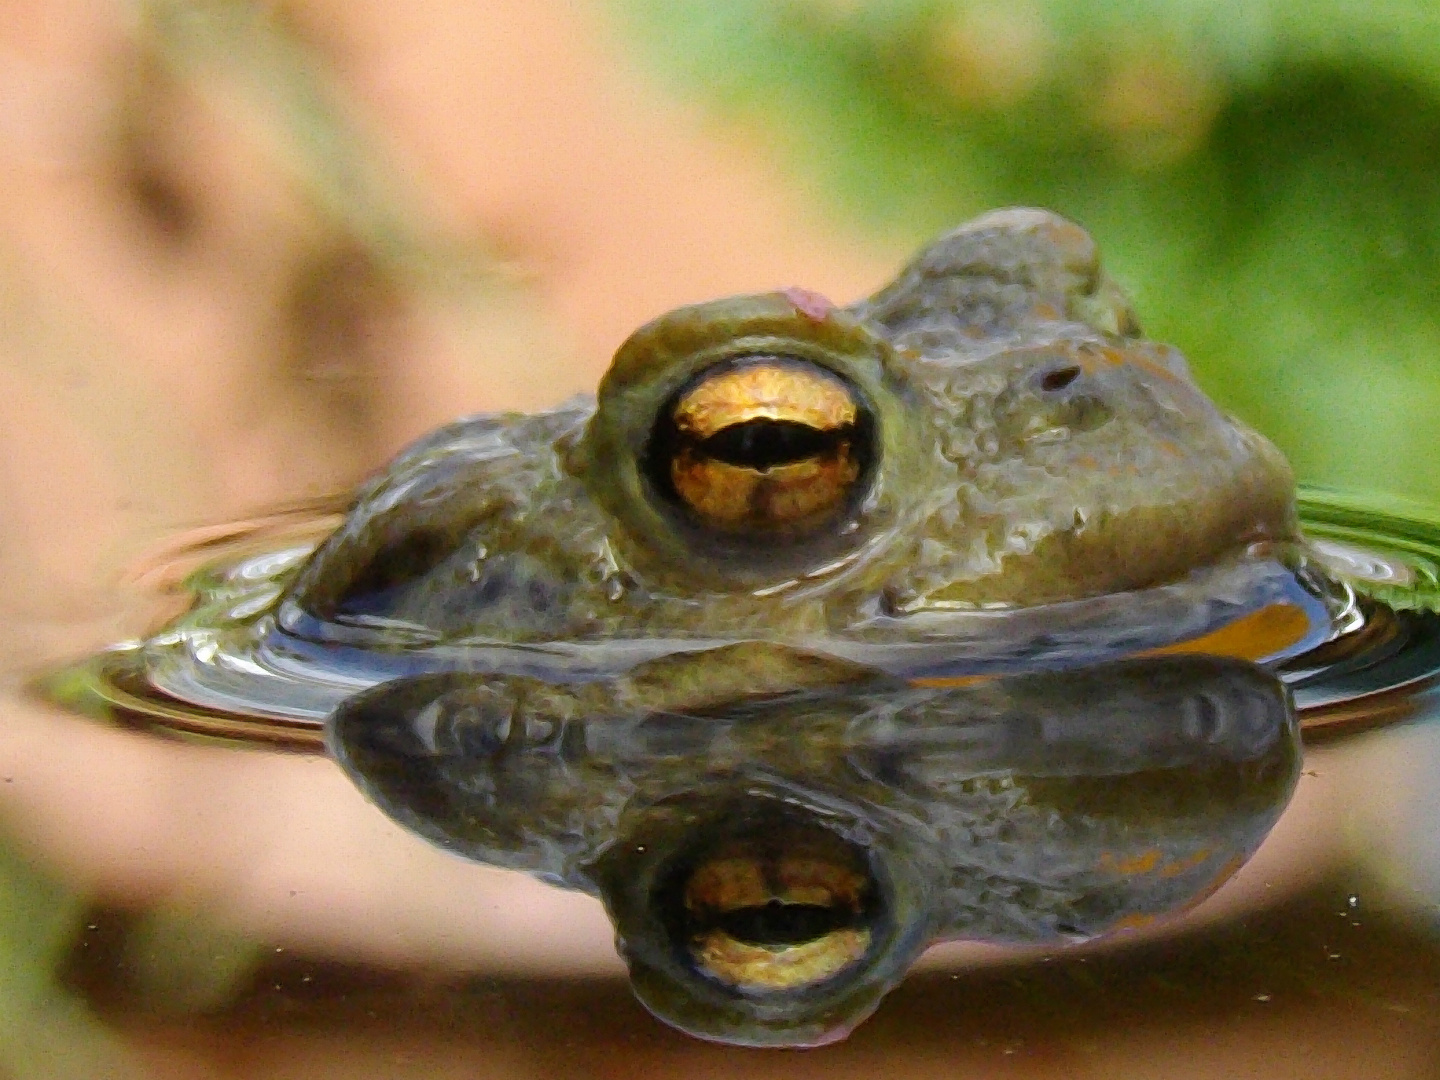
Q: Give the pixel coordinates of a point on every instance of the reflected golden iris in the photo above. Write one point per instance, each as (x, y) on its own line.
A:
(775, 924)
(767, 445)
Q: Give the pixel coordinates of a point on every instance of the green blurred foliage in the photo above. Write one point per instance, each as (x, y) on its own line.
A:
(46, 1033)
(1261, 175)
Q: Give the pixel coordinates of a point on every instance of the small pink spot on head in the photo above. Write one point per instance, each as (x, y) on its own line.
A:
(810, 304)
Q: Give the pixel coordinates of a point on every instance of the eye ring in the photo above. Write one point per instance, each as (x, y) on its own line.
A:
(762, 447)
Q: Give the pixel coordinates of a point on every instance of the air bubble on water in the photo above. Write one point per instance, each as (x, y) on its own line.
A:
(1356, 563)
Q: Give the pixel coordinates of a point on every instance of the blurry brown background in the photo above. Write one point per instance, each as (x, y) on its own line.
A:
(246, 252)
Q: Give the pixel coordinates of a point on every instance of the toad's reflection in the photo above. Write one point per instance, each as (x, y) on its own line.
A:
(777, 835)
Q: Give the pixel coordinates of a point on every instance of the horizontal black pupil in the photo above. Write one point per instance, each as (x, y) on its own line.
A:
(764, 444)
(779, 923)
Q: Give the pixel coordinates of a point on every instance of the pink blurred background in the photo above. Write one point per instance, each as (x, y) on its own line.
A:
(202, 315)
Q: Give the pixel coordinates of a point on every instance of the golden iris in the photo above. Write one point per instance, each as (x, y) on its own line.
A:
(765, 445)
(767, 924)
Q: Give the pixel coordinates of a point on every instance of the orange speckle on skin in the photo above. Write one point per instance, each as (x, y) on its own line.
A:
(1251, 637)
(1160, 371)
(1113, 356)
(1137, 921)
(1212, 886)
(1175, 869)
(1133, 864)
(943, 681)
(1120, 357)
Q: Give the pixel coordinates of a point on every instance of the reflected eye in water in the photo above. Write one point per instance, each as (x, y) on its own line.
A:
(760, 923)
(752, 920)
(765, 445)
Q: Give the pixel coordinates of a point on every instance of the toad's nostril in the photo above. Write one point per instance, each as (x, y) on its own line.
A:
(1059, 378)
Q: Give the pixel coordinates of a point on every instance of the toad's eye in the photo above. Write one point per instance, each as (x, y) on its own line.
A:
(763, 446)
(760, 924)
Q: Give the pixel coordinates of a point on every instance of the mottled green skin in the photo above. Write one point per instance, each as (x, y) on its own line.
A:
(989, 488)
(1035, 809)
